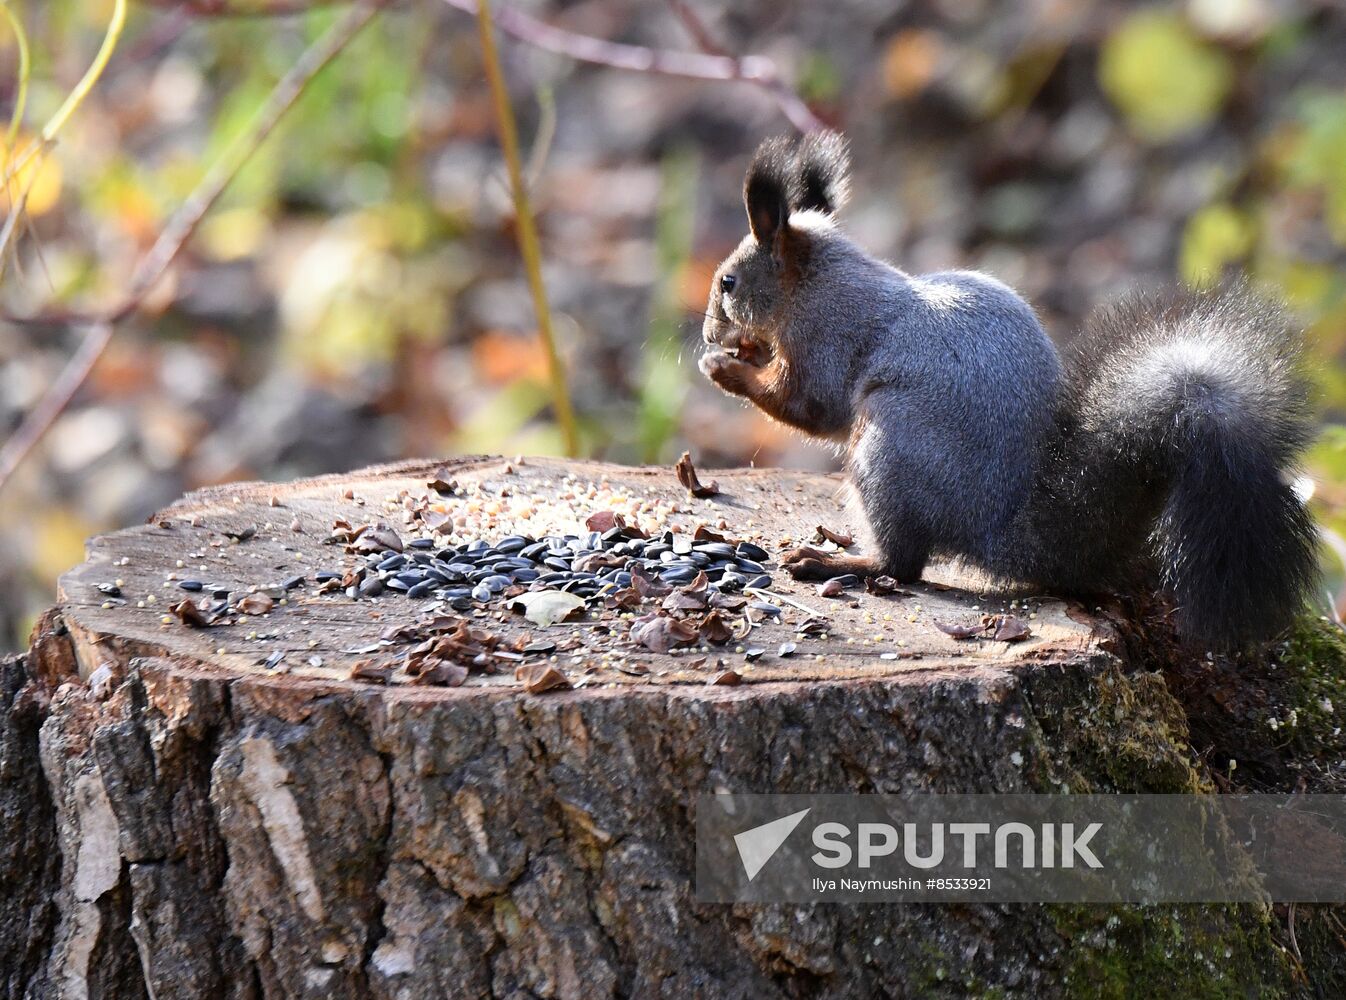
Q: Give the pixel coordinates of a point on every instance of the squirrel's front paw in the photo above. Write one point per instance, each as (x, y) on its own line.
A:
(726, 371)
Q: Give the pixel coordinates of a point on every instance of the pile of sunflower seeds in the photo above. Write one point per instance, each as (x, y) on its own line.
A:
(587, 565)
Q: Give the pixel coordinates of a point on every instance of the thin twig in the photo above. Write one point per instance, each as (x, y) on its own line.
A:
(757, 70)
(37, 149)
(783, 599)
(282, 97)
(53, 401)
(76, 97)
(24, 71)
(178, 230)
(529, 245)
(225, 8)
(696, 27)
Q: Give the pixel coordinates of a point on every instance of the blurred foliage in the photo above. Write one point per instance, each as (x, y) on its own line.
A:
(358, 295)
(1162, 75)
(663, 387)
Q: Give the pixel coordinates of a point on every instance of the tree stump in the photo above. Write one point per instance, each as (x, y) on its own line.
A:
(194, 815)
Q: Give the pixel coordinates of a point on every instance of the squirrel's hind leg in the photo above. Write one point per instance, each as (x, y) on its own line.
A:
(811, 564)
(885, 473)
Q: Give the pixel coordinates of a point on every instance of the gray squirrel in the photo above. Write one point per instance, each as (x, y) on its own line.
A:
(1155, 454)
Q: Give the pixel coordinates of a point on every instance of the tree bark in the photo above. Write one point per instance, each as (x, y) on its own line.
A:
(192, 822)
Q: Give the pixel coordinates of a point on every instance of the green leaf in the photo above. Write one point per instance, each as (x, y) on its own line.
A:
(547, 607)
(1165, 79)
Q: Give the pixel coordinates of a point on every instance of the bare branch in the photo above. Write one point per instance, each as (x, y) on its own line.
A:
(54, 400)
(178, 230)
(231, 8)
(756, 70)
(282, 97)
(529, 245)
(696, 27)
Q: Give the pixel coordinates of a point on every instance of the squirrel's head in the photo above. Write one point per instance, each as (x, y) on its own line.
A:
(752, 290)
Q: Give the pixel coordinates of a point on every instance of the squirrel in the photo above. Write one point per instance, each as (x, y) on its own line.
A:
(1153, 454)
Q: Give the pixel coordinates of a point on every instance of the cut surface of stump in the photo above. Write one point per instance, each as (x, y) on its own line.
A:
(239, 539)
(198, 815)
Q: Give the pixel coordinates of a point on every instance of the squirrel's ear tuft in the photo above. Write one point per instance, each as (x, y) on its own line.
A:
(823, 171)
(766, 189)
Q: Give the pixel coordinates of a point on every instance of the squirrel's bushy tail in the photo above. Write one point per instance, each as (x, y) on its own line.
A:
(1185, 419)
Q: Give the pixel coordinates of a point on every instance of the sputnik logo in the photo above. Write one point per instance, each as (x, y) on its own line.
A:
(757, 846)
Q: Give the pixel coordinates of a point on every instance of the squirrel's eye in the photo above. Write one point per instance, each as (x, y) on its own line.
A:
(727, 283)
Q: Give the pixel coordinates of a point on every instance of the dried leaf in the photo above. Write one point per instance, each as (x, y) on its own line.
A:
(441, 673)
(370, 672)
(256, 604)
(190, 614)
(1008, 628)
(626, 599)
(715, 629)
(377, 537)
(547, 607)
(646, 585)
(441, 483)
(960, 631)
(885, 585)
(826, 534)
(682, 600)
(698, 584)
(727, 602)
(687, 476)
(596, 562)
(604, 521)
(660, 634)
(540, 677)
(439, 522)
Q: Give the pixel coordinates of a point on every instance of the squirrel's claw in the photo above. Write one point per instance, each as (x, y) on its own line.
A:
(725, 370)
(808, 564)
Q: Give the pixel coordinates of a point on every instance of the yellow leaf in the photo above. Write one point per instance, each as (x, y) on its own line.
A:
(41, 176)
(1162, 76)
(235, 234)
(58, 542)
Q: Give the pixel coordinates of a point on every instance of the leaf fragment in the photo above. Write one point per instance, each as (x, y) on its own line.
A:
(960, 631)
(547, 607)
(826, 534)
(686, 473)
(540, 677)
